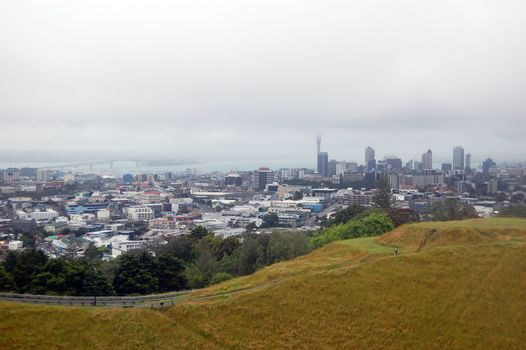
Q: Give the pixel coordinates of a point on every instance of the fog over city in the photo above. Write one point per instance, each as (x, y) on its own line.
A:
(259, 80)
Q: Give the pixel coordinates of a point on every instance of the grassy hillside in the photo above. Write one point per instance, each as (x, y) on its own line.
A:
(446, 290)
(426, 235)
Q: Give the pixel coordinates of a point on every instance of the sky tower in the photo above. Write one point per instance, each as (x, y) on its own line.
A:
(318, 142)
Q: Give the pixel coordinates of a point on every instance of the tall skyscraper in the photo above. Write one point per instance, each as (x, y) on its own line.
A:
(323, 164)
(369, 154)
(458, 158)
(468, 161)
(427, 160)
(318, 150)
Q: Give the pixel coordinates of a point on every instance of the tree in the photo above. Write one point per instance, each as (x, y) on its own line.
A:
(206, 261)
(47, 283)
(229, 263)
(517, 211)
(96, 284)
(403, 216)
(251, 226)
(517, 198)
(383, 198)
(92, 253)
(136, 274)
(249, 256)
(373, 224)
(22, 265)
(7, 283)
(270, 220)
(286, 245)
(452, 209)
(220, 277)
(180, 247)
(226, 247)
(194, 277)
(298, 195)
(199, 232)
(346, 214)
(170, 273)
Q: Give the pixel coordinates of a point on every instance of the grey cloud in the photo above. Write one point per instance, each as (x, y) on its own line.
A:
(250, 79)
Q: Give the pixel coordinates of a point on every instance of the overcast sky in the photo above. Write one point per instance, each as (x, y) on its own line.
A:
(259, 79)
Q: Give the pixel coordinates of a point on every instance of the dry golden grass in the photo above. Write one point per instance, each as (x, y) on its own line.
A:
(425, 235)
(465, 290)
(450, 297)
(25, 326)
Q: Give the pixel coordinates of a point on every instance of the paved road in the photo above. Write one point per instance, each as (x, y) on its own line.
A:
(153, 301)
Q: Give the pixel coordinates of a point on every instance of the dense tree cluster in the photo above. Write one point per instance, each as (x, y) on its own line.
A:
(372, 223)
(31, 271)
(516, 211)
(398, 216)
(451, 209)
(187, 261)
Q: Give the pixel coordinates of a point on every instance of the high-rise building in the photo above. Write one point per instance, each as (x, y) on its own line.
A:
(427, 160)
(493, 186)
(332, 167)
(446, 167)
(369, 154)
(323, 164)
(233, 179)
(468, 161)
(487, 164)
(393, 163)
(42, 174)
(371, 165)
(318, 144)
(262, 178)
(458, 158)
(11, 175)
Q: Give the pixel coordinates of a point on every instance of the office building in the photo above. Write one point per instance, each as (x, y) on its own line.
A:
(371, 165)
(369, 155)
(462, 186)
(11, 175)
(393, 163)
(44, 215)
(446, 167)
(493, 186)
(323, 164)
(332, 167)
(458, 158)
(468, 161)
(262, 178)
(42, 175)
(140, 213)
(233, 179)
(487, 164)
(427, 160)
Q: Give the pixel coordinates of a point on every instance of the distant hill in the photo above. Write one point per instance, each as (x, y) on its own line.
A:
(459, 285)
